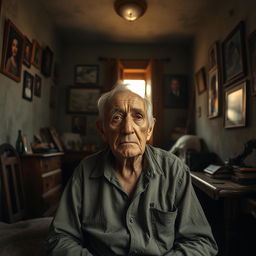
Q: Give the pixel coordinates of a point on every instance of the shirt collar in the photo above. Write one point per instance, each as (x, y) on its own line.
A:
(105, 167)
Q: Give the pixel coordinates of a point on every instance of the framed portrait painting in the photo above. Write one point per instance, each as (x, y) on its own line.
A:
(86, 74)
(38, 86)
(213, 93)
(36, 54)
(213, 56)
(82, 100)
(235, 106)
(175, 91)
(28, 86)
(79, 125)
(47, 60)
(200, 80)
(12, 52)
(27, 52)
(252, 59)
(233, 52)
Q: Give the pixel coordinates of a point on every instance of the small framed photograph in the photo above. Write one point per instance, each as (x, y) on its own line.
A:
(27, 145)
(175, 91)
(27, 52)
(12, 56)
(38, 86)
(233, 52)
(28, 86)
(82, 100)
(235, 106)
(36, 54)
(79, 125)
(213, 56)
(87, 74)
(47, 60)
(200, 80)
(213, 93)
(252, 59)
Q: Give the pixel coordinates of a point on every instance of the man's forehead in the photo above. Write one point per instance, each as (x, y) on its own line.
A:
(126, 99)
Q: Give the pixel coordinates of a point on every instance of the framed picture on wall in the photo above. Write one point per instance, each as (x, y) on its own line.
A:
(213, 56)
(28, 86)
(82, 100)
(235, 105)
(252, 59)
(175, 91)
(86, 74)
(233, 52)
(47, 60)
(36, 54)
(200, 80)
(213, 93)
(38, 86)
(79, 125)
(12, 56)
(27, 52)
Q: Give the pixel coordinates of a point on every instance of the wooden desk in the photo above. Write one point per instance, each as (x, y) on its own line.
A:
(223, 203)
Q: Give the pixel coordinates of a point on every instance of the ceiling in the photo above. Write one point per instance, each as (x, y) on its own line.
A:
(96, 21)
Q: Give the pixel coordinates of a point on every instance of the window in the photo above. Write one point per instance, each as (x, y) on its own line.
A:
(137, 86)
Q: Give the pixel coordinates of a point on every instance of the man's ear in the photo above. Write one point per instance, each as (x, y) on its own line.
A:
(99, 125)
(150, 129)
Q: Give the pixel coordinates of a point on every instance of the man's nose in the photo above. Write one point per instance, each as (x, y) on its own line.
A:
(128, 125)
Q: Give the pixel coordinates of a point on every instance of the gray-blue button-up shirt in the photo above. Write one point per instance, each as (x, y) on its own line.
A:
(164, 217)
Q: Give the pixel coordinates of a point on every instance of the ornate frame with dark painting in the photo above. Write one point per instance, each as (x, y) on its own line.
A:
(213, 93)
(235, 105)
(200, 78)
(47, 60)
(87, 74)
(213, 56)
(234, 58)
(252, 58)
(82, 100)
(36, 54)
(27, 52)
(13, 49)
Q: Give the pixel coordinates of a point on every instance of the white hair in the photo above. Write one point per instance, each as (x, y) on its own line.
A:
(104, 99)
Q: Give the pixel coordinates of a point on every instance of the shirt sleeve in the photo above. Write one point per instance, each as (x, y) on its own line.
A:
(193, 234)
(65, 237)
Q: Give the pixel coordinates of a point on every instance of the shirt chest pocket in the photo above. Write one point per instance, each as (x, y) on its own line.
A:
(163, 228)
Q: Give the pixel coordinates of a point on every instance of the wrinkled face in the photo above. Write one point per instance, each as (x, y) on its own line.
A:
(126, 128)
(14, 47)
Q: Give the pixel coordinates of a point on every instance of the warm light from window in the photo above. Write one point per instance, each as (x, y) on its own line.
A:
(137, 86)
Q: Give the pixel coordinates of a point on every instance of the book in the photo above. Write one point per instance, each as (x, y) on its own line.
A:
(218, 171)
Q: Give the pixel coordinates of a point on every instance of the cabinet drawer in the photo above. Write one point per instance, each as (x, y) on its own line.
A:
(51, 179)
(51, 199)
(50, 164)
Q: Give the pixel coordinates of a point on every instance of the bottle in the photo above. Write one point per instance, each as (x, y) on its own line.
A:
(19, 143)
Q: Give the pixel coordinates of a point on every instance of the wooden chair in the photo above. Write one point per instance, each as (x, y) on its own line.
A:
(18, 236)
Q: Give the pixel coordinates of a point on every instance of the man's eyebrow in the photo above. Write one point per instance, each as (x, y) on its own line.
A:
(117, 110)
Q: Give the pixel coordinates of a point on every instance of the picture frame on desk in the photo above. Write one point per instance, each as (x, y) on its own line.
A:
(26, 144)
(235, 106)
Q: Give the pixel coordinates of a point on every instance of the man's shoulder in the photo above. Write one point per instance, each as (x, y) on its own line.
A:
(169, 163)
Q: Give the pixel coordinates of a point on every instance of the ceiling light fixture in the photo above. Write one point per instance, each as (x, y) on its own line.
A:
(130, 10)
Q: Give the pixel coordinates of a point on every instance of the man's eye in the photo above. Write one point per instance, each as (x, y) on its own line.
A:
(139, 116)
(117, 118)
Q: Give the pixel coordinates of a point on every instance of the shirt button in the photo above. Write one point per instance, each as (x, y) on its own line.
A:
(131, 219)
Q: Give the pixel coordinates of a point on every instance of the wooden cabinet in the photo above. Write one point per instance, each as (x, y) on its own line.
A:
(42, 178)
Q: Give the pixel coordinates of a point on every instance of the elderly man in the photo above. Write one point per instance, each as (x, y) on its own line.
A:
(131, 198)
